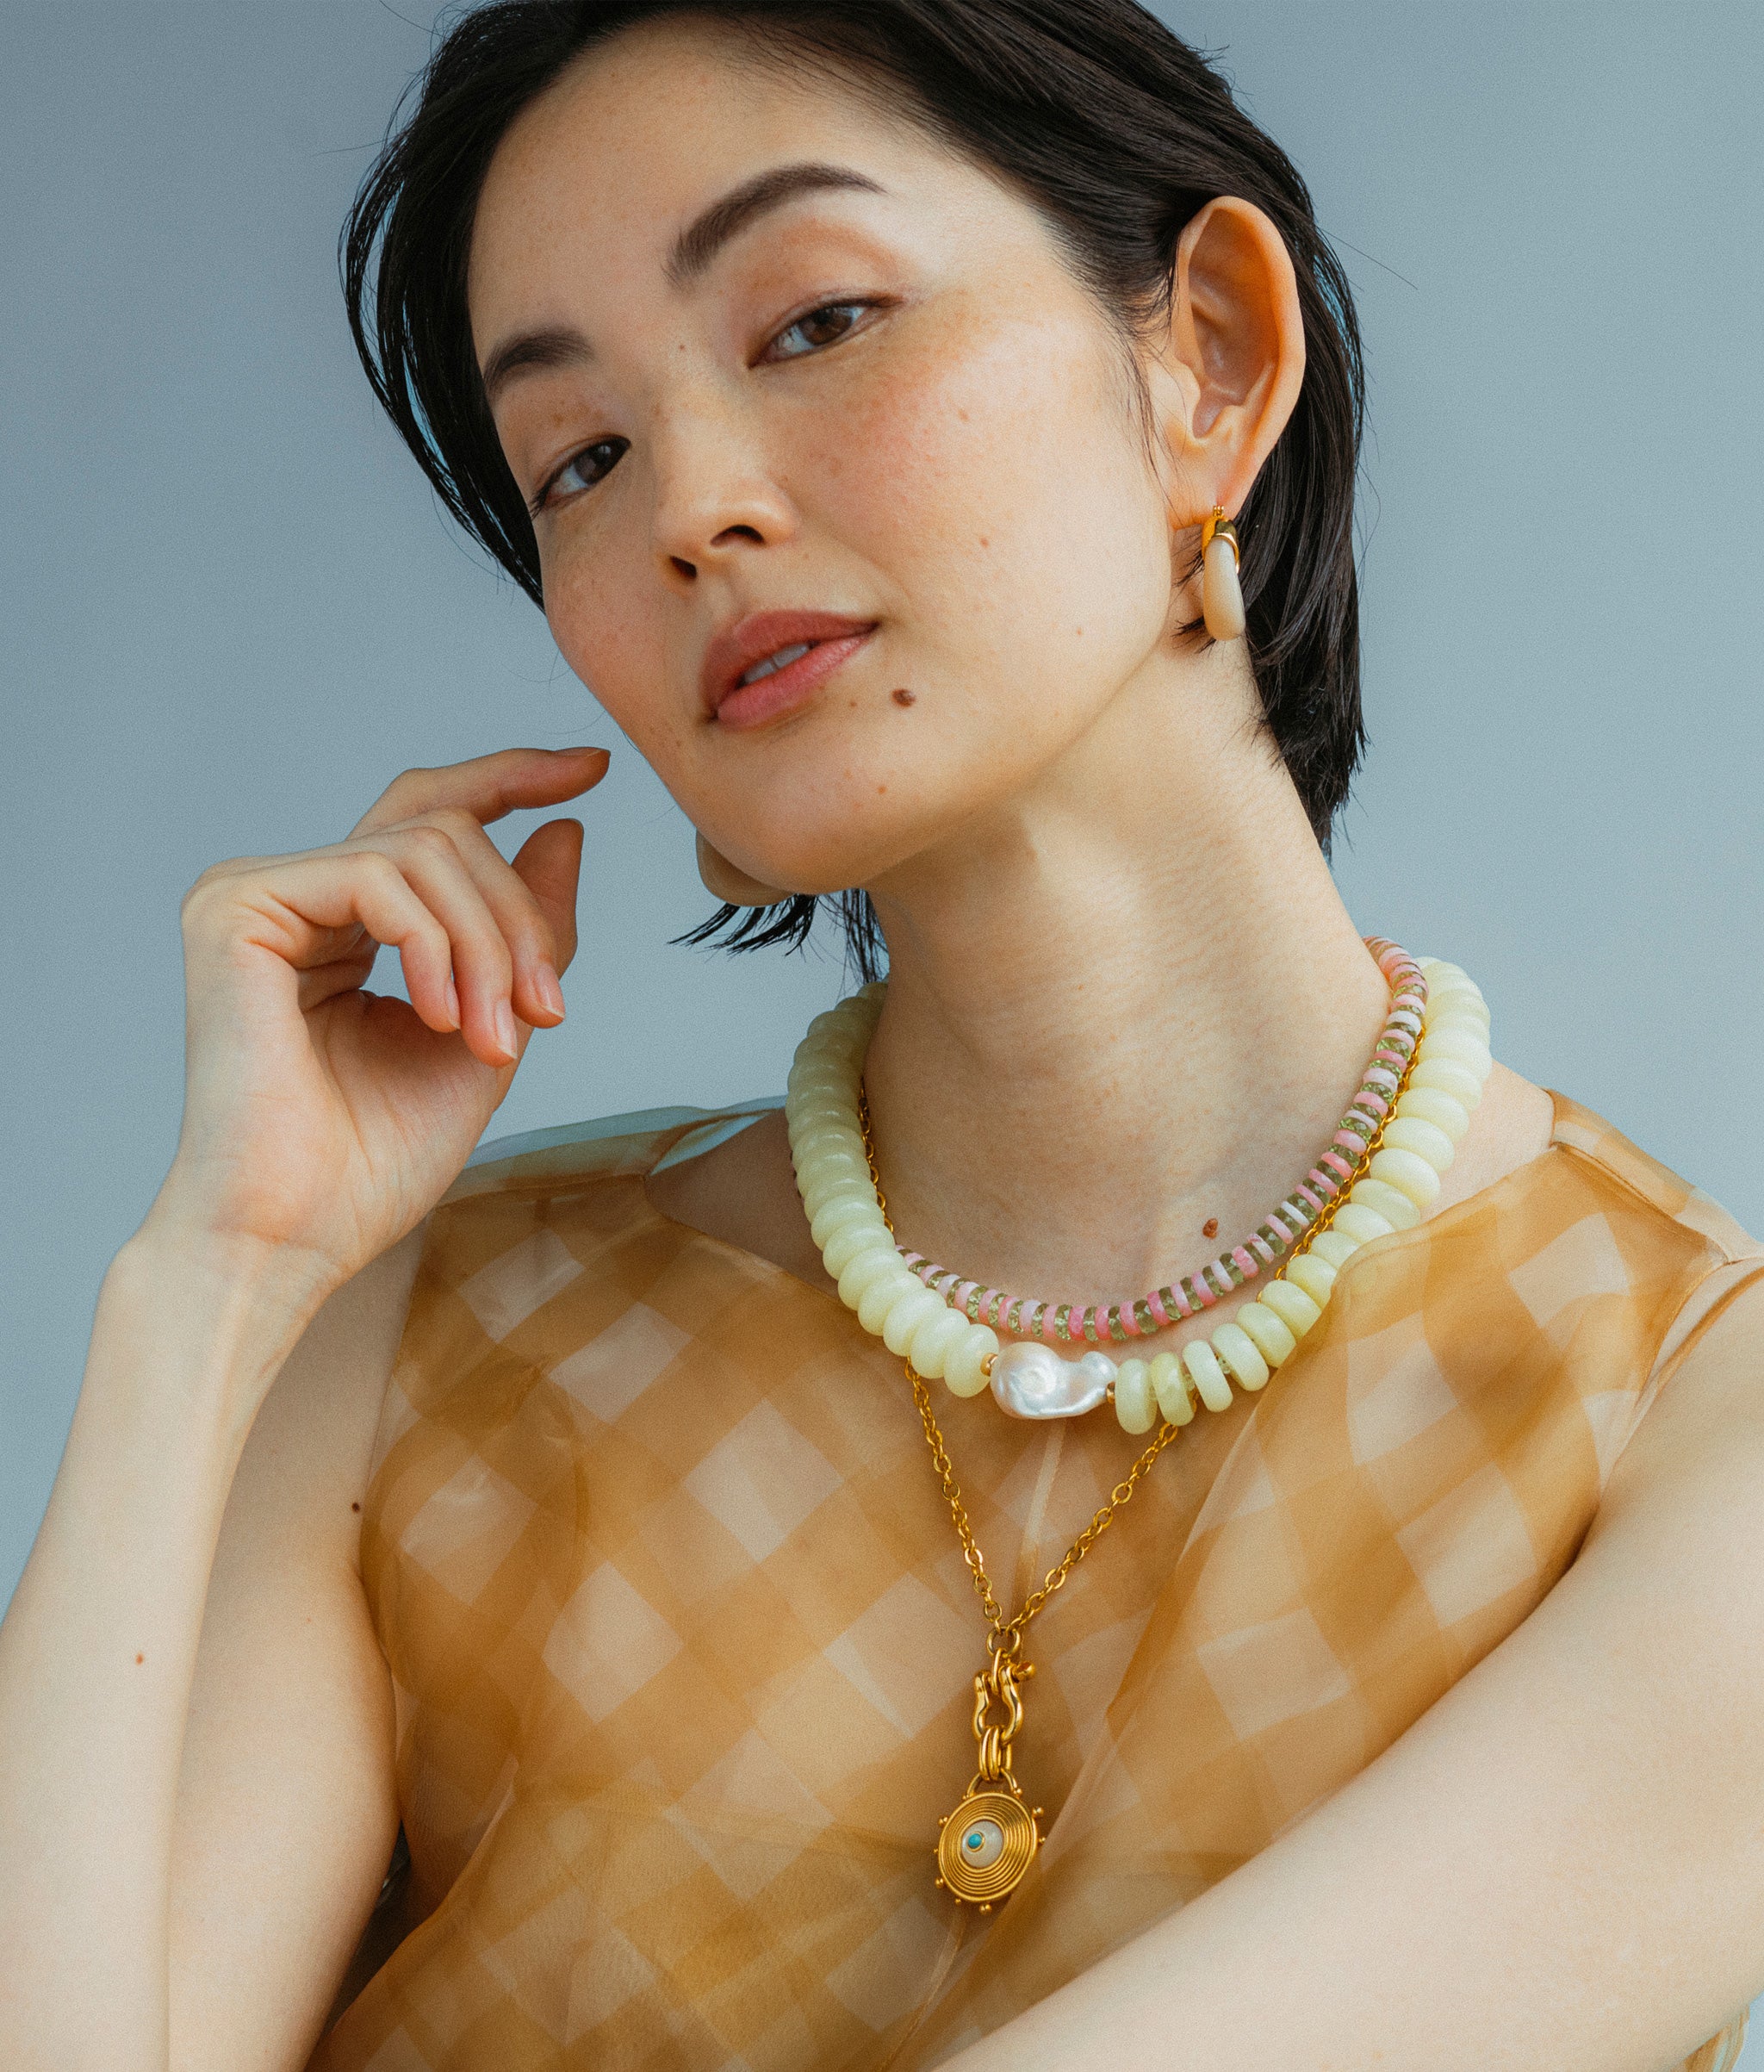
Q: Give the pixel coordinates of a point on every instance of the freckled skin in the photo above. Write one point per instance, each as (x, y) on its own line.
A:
(1210, 1228)
(855, 477)
(904, 696)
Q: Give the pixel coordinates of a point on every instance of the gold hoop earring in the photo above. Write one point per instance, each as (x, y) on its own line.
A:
(734, 888)
(1222, 594)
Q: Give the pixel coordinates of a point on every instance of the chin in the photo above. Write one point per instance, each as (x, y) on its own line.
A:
(859, 828)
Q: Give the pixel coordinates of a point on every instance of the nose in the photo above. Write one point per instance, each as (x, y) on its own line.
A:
(716, 496)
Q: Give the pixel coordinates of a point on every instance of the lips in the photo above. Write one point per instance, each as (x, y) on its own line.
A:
(828, 637)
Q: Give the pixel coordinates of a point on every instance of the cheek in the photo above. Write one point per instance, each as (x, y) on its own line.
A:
(994, 476)
(607, 613)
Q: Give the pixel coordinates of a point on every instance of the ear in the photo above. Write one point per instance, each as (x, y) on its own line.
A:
(1232, 362)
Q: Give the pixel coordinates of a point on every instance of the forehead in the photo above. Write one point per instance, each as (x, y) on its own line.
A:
(638, 134)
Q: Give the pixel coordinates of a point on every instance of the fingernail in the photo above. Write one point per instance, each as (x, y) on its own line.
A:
(549, 992)
(451, 997)
(504, 1019)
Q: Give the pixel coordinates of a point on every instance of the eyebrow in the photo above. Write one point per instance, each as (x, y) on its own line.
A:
(562, 345)
(712, 229)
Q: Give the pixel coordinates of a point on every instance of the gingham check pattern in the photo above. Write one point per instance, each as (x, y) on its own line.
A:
(683, 1642)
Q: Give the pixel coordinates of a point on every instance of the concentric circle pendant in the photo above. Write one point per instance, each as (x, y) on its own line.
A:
(984, 1847)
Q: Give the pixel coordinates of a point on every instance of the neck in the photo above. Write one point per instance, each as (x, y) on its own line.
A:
(1124, 1006)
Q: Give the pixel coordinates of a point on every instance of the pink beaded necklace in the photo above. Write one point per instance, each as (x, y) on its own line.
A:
(1069, 1324)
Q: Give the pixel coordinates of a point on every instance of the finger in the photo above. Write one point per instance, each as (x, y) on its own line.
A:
(322, 982)
(527, 927)
(308, 905)
(483, 965)
(549, 863)
(488, 786)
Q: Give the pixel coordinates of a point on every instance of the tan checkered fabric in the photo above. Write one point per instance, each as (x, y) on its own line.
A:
(683, 1642)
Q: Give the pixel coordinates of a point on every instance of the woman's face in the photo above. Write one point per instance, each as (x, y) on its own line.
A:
(874, 392)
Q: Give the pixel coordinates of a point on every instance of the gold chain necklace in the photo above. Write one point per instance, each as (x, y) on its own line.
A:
(989, 1841)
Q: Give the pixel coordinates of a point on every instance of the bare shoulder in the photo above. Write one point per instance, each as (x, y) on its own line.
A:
(1512, 1126)
(1699, 1451)
(744, 1192)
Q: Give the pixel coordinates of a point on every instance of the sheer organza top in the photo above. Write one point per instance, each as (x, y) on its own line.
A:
(683, 1644)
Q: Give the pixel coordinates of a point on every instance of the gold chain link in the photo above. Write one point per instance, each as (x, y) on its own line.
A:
(998, 1685)
(1004, 1636)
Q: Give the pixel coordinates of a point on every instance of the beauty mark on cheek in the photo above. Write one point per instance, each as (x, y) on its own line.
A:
(904, 696)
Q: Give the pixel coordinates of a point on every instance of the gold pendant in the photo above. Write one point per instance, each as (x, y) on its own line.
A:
(986, 1845)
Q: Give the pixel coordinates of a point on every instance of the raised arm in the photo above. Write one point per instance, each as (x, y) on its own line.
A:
(320, 1124)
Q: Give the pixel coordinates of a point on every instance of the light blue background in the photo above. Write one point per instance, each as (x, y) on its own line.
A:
(230, 612)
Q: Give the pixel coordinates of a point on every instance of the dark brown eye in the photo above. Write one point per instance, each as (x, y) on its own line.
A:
(824, 327)
(580, 471)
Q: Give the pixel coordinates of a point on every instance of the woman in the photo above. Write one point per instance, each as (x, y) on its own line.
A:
(855, 388)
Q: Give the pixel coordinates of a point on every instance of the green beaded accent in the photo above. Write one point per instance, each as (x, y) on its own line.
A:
(1062, 1323)
(1117, 1330)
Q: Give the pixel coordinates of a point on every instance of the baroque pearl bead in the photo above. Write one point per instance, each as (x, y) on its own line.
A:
(1032, 1380)
(922, 1312)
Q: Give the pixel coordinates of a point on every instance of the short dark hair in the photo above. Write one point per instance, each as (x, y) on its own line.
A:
(1114, 127)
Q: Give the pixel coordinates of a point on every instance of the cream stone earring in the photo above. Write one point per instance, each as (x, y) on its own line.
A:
(731, 885)
(1221, 595)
